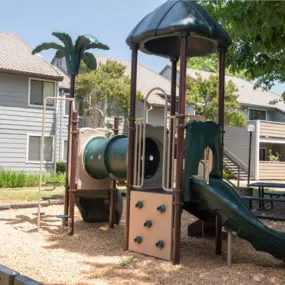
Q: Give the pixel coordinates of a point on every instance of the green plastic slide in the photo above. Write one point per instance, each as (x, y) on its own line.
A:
(218, 198)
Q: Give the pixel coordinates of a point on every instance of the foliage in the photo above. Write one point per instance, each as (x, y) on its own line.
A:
(75, 51)
(10, 178)
(211, 64)
(273, 157)
(203, 94)
(227, 174)
(108, 82)
(127, 261)
(60, 167)
(257, 31)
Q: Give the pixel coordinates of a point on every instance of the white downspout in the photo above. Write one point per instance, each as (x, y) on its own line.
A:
(257, 149)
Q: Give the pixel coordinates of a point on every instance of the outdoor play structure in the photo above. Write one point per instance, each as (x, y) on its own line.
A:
(161, 164)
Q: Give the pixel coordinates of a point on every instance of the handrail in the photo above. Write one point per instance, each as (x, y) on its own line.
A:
(235, 160)
(230, 183)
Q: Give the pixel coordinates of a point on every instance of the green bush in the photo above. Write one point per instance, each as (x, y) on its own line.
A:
(227, 174)
(9, 179)
(60, 167)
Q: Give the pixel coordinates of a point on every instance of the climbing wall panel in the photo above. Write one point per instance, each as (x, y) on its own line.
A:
(151, 224)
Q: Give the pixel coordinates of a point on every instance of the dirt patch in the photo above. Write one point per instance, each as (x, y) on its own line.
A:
(94, 255)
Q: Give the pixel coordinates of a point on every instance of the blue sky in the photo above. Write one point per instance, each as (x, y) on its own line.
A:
(109, 20)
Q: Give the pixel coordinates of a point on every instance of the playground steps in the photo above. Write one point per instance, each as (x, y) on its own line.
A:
(232, 167)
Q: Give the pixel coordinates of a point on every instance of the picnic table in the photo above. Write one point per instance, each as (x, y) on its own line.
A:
(262, 193)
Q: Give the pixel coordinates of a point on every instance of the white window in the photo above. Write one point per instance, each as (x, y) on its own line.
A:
(39, 90)
(255, 114)
(64, 155)
(34, 146)
(66, 105)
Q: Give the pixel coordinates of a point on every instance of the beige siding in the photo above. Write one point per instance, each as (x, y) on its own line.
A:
(272, 129)
(270, 170)
(237, 141)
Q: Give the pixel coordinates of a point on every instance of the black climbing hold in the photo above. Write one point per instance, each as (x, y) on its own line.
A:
(139, 204)
(148, 224)
(138, 239)
(160, 244)
(161, 209)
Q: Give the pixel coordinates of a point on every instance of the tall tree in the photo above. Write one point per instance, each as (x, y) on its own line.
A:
(258, 32)
(107, 83)
(73, 52)
(203, 94)
(211, 64)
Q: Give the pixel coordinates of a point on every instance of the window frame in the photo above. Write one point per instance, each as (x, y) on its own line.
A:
(62, 149)
(29, 93)
(27, 148)
(64, 105)
(257, 109)
(265, 153)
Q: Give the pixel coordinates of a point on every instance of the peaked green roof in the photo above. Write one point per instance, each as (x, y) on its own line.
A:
(158, 32)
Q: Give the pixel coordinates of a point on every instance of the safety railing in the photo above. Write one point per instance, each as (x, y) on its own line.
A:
(168, 153)
(139, 161)
(235, 160)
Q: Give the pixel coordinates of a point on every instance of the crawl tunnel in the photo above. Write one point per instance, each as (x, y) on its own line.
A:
(104, 157)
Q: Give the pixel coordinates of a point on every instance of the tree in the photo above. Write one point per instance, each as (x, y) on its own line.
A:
(211, 64)
(203, 94)
(73, 52)
(107, 83)
(257, 30)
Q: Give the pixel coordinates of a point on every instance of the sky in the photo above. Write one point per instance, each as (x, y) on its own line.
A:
(109, 20)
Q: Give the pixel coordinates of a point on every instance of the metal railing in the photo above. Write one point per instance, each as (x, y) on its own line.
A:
(235, 160)
(168, 154)
(139, 161)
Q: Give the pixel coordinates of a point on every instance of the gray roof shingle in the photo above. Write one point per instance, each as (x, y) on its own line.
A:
(16, 57)
(146, 80)
(248, 95)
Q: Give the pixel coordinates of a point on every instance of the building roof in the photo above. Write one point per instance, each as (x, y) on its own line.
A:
(248, 95)
(146, 80)
(16, 57)
(65, 83)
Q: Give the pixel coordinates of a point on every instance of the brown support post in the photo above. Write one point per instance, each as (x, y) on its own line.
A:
(222, 54)
(112, 210)
(66, 196)
(73, 160)
(172, 109)
(131, 146)
(180, 150)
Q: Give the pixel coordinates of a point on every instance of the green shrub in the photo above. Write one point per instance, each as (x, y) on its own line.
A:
(227, 174)
(19, 179)
(60, 167)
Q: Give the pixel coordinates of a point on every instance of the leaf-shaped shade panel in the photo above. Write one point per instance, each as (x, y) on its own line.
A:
(90, 60)
(46, 46)
(97, 46)
(81, 43)
(60, 54)
(66, 40)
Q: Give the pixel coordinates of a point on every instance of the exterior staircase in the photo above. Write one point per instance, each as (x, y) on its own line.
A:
(234, 165)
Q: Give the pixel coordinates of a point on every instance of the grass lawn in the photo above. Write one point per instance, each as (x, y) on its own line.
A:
(25, 194)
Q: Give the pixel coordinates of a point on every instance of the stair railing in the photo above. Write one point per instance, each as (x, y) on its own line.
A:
(235, 160)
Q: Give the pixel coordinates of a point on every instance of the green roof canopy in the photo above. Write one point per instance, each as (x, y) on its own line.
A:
(158, 32)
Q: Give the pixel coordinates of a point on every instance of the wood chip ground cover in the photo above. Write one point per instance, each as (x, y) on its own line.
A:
(95, 256)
